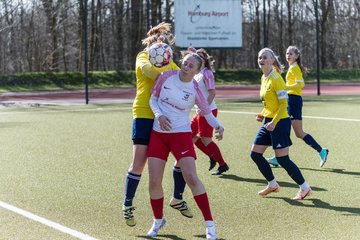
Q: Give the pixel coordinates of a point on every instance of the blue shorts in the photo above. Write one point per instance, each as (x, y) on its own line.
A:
(295, 104)
(141, 130)
(279, 138)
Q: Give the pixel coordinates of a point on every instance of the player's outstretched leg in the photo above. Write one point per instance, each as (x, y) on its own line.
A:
(217, 156)
(132, 182)
(323, 156)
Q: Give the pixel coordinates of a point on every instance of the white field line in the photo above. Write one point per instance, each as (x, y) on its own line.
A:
(46, 222)
(313, 117)
(69, 110)
(129, 108)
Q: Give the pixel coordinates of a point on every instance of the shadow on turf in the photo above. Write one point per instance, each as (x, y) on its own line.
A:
(263, 182)
(317, 203)
(333, 170)
(170, 236)
(162, 236)
(204, 236)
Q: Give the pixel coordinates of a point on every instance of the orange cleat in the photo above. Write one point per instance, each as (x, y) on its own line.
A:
(302, 194)
(268, 190)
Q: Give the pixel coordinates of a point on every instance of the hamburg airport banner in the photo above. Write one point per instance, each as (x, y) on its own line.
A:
(208, 23)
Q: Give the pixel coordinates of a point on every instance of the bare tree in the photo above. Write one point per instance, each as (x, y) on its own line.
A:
(118, 30)
(47, 35)
(94, 34)
(278, 10)
(257, 33)
(326, 8)
(51, 13)
(80, 32)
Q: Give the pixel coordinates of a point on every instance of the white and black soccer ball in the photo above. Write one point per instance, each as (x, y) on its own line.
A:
(160, 54)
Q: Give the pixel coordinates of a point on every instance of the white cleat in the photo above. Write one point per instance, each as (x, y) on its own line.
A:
(210, 230)
(157, 225)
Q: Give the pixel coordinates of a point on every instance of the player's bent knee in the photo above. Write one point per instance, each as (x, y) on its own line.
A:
(255, 156)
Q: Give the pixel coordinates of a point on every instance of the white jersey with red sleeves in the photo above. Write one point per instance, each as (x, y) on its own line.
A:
(175, 99)
(206, 80)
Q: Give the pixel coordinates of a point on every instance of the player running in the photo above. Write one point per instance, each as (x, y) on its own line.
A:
(294, 86)
(202, 131)
(275, 131)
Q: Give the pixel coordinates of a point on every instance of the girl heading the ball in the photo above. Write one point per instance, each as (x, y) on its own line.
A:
(143, 119)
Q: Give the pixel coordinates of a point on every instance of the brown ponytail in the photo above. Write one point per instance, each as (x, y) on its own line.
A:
(298, 60)
(208, 60)
(159, 33)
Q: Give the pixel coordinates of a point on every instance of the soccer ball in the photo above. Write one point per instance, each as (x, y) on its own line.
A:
(160, 54)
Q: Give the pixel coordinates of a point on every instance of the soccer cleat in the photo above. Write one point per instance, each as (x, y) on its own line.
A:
(129, 215)
(181, 206)
(157, 225)
(268, 190)
(302, 194)
(210, 231)
(221, 169)
(212, 163)
(323, 156)
(273, 161)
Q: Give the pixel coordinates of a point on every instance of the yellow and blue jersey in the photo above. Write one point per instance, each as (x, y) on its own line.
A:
(274, 97)
(146, 75)
(294, 80)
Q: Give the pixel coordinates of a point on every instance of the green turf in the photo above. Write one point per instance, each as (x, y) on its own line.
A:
(68, 165)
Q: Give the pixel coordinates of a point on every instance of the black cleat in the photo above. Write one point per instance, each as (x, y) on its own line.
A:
(212, 164)
(221, 169)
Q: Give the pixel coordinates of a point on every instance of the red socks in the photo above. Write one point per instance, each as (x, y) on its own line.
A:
(199, 144)
(157, 206)
(203, 203)
(215, 152)
(212, 150)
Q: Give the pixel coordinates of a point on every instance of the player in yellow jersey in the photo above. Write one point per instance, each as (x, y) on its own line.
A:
(143, 118)
(275, 131)
(294, 86)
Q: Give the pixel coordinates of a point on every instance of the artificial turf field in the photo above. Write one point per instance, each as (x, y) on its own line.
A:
(67, 165)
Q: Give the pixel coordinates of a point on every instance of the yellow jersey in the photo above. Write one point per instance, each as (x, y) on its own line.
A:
(273, 96)
(146, 75)
(294, 80)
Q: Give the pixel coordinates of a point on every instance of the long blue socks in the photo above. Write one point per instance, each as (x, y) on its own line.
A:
(262, 165)
(309, 140)
(132, 182)
(179, 183)
(291, 169)
(285, 162)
